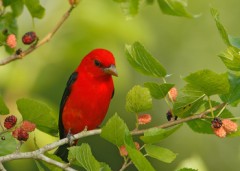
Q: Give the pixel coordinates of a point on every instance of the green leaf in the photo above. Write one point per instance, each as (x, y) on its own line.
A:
(82, 156)
(201, 126)
(175, 8)
(3, 107)
(188, 101)
(154, 135)
(138, 99)
(233, 96)
(7, 2)
(9, 22)
(138, 159)
(143, 61)
(17, 7)
(160, 153)
(9, 145)
(150, 2)
(104, 167)
(187, 169)
(35, 8)
(129, 7)
(209, 82)
(204, 125)
(158, 91)
(115, 130)
(40, 114)
(234, 41)
(231, 58)
(220, 27)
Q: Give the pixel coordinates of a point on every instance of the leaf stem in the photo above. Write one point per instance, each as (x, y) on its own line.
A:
(167, 101)
(137, 124)
(220, 112)
(210, 105)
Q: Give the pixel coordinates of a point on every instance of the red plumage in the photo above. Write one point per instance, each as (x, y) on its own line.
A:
(87, 95)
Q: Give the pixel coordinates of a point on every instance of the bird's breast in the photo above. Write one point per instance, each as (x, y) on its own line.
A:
(87, 104)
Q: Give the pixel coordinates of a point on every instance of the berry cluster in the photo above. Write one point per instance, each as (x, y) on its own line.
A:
(223, 127)
(123, 151)
(27, 39)
(21, 132)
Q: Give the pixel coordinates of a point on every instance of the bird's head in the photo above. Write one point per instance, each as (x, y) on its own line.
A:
(99, 62)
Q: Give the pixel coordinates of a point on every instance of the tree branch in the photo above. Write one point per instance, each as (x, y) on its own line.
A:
(39, 154)
(176, 122)
(2, 167)
(47, 38)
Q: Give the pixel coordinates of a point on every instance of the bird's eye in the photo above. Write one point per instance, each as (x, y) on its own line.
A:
(97, 63)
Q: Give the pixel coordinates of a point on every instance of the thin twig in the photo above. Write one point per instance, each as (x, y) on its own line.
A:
(176, 122)
(46, 39)
(125, 165)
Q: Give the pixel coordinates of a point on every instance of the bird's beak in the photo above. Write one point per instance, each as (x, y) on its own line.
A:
(111, 70)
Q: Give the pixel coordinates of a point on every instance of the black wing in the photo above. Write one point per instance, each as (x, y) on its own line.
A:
(66, 93)
(113, 93)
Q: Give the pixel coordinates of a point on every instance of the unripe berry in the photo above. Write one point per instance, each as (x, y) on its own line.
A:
(172, 94)
(123, 151)
(10, 121)
(229, 125)
(144, 119)
(11, 41)
(28, 126)
(220, 132)
(29, 37)
(73, 2)
(20, 134)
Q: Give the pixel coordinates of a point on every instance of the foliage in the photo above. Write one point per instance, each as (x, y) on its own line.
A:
(194, 105)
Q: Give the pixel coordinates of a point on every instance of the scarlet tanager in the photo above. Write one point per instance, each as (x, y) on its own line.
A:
(87, 96)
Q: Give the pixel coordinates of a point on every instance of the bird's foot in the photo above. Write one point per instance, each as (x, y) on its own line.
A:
(70, 137)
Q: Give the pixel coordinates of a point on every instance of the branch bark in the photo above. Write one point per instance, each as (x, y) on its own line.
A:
(46, 39)
(39, 154)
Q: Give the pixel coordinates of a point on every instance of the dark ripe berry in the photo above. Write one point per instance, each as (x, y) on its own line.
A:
(23, 135)
(5, 32)
(2, 138)
(29, 37)
(170, 116)
(10, 121)
(216, 122)
(20, 134)
(19, 51)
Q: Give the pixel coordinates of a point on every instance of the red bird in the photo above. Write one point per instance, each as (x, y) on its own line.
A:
(87, 95)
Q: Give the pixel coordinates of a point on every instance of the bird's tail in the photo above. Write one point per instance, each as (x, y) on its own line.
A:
(62, 152)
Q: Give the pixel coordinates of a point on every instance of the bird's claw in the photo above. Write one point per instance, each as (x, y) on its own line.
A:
(70, 137)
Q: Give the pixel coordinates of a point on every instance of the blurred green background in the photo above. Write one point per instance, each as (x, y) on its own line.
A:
(182, 45)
